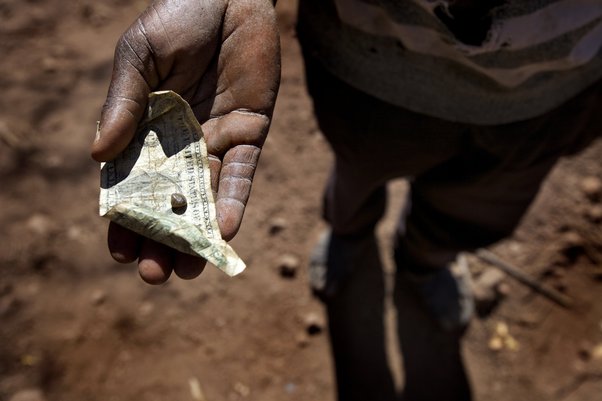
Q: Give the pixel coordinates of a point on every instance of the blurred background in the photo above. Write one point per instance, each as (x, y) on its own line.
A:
(74, 325)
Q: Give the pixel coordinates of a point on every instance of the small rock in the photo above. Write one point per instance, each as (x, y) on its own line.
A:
(486, 290)
(74, 232)
(288, 265)
(302, 340)
(314, 324)
(528, 319)
(594, 213)
(28, 395)
(511, 343)
(573, 245)
(596, 352)
(501, 329)
(277, 224)
(49, 64)
(290, 387)
(40, 224)
(502, 339)
(496, 343)
(146, 309)
(98, 297)
(242, 389)
(592, 188)
(504, 289)
(572, 239)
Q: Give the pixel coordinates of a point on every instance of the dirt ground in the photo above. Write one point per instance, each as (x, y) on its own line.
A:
(75, 325)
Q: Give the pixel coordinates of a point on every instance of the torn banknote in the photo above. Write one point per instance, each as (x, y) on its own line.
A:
(160, 187)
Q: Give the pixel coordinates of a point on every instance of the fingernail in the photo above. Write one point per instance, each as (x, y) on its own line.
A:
(97, 137)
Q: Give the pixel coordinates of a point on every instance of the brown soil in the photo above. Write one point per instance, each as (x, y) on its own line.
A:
(78, 326)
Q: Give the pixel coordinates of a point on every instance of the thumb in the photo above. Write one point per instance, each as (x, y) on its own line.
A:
(133, 73)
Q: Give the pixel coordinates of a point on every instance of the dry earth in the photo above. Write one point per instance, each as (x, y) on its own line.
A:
(76, 326)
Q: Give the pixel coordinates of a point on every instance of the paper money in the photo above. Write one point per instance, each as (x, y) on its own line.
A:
(160, 187)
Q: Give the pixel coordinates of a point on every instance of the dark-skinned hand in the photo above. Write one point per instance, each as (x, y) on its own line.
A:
(223, 57)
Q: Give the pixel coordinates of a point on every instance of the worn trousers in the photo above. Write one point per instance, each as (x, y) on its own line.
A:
(469, 187)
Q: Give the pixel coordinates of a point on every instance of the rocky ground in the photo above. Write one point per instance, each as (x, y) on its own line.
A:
(76, 326)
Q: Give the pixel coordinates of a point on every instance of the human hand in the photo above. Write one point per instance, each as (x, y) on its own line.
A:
(223, 57)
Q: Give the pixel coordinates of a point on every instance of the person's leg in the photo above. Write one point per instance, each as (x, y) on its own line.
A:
(373, 142)
(471, 201)
(345, 268)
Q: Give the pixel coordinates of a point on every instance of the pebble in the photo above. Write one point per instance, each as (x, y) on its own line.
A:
(302, 340)
(496, 344)
(28, 395)
(40, 224)
(314, 324)
(592, 188)
(288, 265)
(146, 309)
(502, 339)
(596, 352)
(277, 225)
(489, 290)
(98, 297)
(594, 213)
(571, 239)
(178, 200)
(242, 389)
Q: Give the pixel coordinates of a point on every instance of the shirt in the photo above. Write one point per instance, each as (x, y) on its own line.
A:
(475, 61)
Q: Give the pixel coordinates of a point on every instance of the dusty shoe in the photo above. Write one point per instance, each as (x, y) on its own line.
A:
(333, 259)
(446, 293)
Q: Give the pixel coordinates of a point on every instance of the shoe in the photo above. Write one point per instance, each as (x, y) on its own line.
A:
(446, 293)
(333, 259)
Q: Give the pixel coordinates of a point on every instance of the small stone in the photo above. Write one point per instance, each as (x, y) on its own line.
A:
(314, 324)
(592, 188)
(486, 291)
(571, 239)
(28, 395)
(496, 343)
(501, 329)
(484, 287)
(98, 297)
(288, 265)
(594, 213)
(40, 224)
(510, 343)
(573, 246)
(146, 309)
(529, 320)
(242, 389)
(503, 289)
(277, 224)
(290, 387)
(302, 340)
(49, 64)
(596, 352)
(178, 201)
(29, 360)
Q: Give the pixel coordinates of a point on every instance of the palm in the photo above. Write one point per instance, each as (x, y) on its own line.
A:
(224, 60)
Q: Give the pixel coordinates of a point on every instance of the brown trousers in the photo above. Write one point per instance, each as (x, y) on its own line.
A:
(470, 185)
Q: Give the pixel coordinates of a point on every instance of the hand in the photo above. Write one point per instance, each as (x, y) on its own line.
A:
(223, 57)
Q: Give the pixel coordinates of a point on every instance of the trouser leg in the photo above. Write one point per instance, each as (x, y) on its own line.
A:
(472, 200)
(355, 301)
(370, 149)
